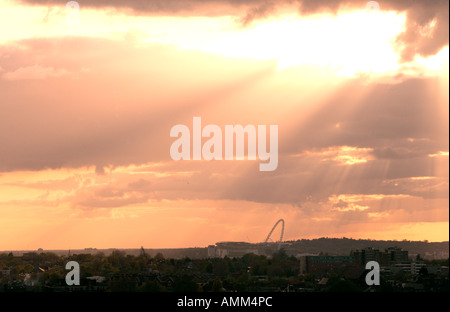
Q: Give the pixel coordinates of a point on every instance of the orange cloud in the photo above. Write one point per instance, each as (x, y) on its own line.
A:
(346, 155)
(86, 113)
(35, 72)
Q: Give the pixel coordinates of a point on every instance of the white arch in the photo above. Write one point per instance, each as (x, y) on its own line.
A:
(282, 230)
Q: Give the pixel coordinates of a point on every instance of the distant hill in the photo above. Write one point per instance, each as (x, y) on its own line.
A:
(343, 246)
(331, 246)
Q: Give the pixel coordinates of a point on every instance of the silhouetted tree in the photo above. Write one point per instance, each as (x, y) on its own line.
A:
(217, 285)
(185, 284)
(152, 286)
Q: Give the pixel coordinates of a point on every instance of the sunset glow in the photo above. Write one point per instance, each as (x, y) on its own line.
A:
(360, 99)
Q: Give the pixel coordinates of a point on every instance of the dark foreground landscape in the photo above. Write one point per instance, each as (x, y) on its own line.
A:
(233, 267)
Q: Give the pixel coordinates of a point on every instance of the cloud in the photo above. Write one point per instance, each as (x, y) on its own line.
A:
(426, 30)
(155, 198)
(427, 24)
(346, 155)
(35, 72)
(84, 136)
(257, 12)
(107, 117)
(358, 140)
(440, 153)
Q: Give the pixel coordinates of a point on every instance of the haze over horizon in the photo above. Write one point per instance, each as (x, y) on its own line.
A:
(360, 97)
(194, 247)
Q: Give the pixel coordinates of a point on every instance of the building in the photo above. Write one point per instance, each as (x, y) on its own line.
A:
(239, 249)
(371, 254)
(233, 249)
(435, 269)
(412, 267)
(211, 251)
(96, 278)
(390, 256)
(394, 255)
(365, 255)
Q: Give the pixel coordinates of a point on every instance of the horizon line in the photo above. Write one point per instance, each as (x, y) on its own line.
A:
(192, 247)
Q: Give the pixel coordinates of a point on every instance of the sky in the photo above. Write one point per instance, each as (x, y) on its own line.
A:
(89, 94)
